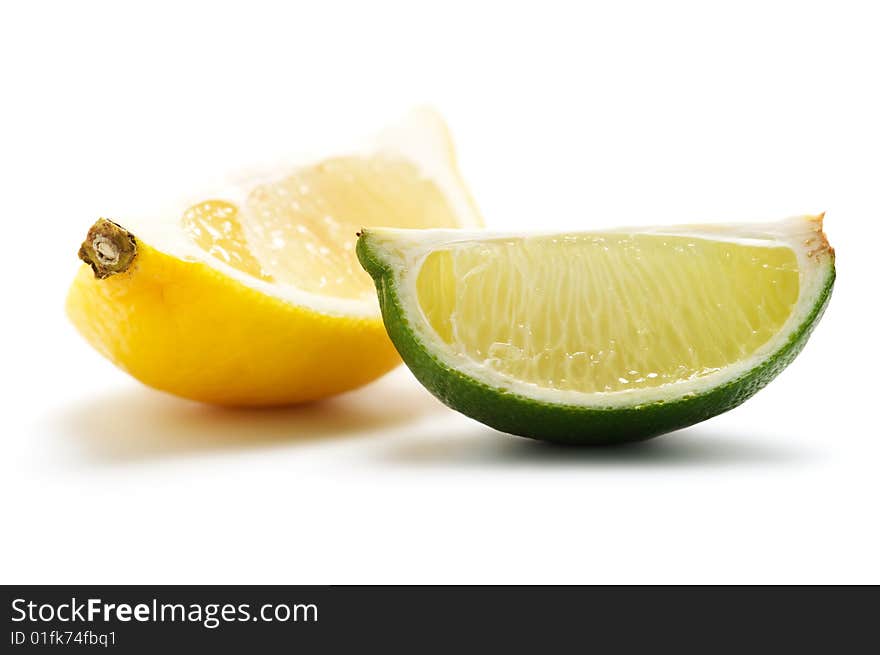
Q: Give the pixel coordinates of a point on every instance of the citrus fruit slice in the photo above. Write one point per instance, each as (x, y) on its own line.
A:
(600, 337)
(253, 295)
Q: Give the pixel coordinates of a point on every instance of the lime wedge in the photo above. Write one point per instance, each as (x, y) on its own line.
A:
(600, 337)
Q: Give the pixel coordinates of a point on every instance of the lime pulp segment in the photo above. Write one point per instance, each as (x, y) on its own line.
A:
(603, 313)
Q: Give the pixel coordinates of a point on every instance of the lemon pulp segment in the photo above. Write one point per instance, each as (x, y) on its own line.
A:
(609, 312)
(301, 230)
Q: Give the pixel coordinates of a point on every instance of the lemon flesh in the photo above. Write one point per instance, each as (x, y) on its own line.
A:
(301, 230)
(600, 337)
(253, 296)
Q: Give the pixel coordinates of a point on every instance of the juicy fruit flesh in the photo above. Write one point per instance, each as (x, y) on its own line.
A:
(607, 312)
(301, 230)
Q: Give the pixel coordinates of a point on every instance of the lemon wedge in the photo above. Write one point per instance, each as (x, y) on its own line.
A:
(252, 294)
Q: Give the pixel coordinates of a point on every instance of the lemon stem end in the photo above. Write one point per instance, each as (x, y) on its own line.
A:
(109, 249)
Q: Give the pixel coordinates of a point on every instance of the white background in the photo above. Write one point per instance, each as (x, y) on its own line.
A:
(568, 115)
